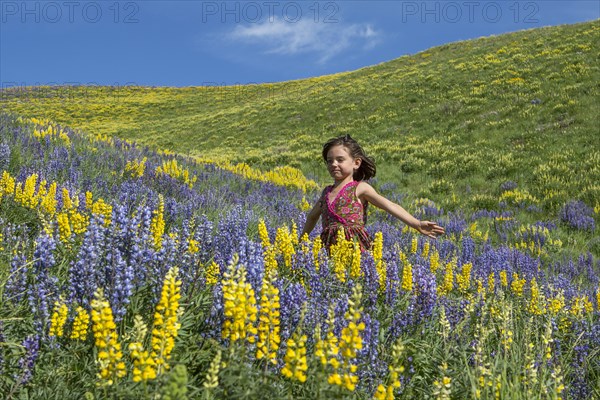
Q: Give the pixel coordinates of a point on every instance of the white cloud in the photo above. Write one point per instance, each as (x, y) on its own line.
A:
(325, 40)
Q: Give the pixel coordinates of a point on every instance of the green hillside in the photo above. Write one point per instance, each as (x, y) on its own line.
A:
(452, 123)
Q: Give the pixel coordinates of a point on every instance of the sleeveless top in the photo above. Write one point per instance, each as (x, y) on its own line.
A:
(344, 211)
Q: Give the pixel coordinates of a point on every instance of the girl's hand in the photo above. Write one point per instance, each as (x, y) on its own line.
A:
(430, 229)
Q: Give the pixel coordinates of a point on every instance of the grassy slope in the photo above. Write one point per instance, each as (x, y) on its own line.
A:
(456, 119)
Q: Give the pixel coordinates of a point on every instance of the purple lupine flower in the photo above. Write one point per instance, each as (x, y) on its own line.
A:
(204, 236)
(251, 255)
(587, 270)
(579, 387)
(4, 156)
(215, 319)
(578, 215)
(447, 250)
(85, 274)
(119, 282)
(491, 214)
(230, 230)
(31, 344)
(467, 252)
(369, 355)
(16, 285)
(141, 249)
(426, 289)
(402, 322)
(159, 265)
(371, 282)
(392, 282)
(317, 283)
(291, 299)
(456, 224)
(42, 293)
(508, 185)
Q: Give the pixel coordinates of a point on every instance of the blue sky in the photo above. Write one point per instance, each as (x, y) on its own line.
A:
(191, 43)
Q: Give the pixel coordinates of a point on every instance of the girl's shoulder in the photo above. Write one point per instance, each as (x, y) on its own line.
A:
(362, 187)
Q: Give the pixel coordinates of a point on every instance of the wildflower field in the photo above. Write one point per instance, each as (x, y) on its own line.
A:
(128, 272)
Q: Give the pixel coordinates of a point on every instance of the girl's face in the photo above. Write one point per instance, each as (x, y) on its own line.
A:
(340, 163)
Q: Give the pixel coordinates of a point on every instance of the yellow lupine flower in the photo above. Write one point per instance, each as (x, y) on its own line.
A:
(294, 234)
(378, 246)
(537, 302)
(327, 350)
(239, 305)
(263, 234)
(143, 364)
(407, 278)
(7, 183)
(355, 265)
(464, 278)
(193, 246)
(503, 278)
(284, 245)
(78, 221)
(64, 228)
(270, 259)
(48, 202)
(89, 200)
(380, 265)
(58, 319)
(176, 171)
(341, 255)
(491, 282)
(443, 387)
(268, 321)
(317, 246)
(349, 343)
(304, 205)
(212, 376)
(66, 200)
(434, 261)
(157, 225)
(295, 358)
(448, 282)
(166, 324)
(480, 288)
(109, 357)
(25, 194)
(517, 284)
(41, 192)
(395, 369)
(135, 168)
(102, 208)
(414, 245)
(80, 325)
(580, 305)
(212, 273)
(557, 303)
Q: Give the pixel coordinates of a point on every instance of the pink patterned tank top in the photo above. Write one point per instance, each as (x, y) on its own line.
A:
(344, 211)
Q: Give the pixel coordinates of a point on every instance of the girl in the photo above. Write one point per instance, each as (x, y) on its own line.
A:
(344, 204)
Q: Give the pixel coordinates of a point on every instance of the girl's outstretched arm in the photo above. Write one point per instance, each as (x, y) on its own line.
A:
(312, 218)
(365, 192)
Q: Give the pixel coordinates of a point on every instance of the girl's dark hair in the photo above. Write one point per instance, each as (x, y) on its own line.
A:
(367, 167)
